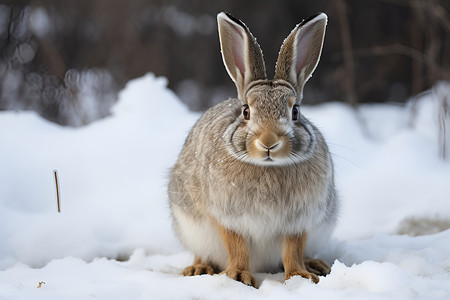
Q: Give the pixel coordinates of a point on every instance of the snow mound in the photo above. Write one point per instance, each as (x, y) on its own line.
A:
(112, 178)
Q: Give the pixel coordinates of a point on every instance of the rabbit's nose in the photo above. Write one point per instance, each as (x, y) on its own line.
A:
(268, 141)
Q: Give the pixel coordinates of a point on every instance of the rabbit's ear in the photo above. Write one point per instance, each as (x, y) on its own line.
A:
(241, 53)
(300, 52)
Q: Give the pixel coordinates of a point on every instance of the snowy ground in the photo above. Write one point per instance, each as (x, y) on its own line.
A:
(113, 238)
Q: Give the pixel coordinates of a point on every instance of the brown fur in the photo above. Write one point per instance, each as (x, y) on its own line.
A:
(293, 254)
(269, 141)
(238, 257)
(317, 266)
(198, 268)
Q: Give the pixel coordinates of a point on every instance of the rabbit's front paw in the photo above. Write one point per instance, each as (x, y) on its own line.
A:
(243, 276)
(317, 266)
(304, 274)
(198, 269)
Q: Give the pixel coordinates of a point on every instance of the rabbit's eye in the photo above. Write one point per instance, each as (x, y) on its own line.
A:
(295, 113)
(246, 112)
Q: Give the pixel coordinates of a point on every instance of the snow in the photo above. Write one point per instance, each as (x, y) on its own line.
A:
(113, 237)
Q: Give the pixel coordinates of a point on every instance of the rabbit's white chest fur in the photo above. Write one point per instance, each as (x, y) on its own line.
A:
(271, 205)
(264, 223)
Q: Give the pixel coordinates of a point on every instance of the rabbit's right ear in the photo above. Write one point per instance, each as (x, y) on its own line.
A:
(241, 53)
(300, 52)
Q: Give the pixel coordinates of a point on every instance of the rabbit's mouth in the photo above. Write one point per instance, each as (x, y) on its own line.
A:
(270, 152)
(268, 158)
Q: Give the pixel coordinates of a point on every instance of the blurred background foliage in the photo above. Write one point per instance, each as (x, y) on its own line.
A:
(67, 60)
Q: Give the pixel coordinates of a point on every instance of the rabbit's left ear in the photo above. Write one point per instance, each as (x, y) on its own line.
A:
(241, 53)
(300, 52)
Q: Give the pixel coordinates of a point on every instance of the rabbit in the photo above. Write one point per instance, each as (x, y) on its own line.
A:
(254, 181)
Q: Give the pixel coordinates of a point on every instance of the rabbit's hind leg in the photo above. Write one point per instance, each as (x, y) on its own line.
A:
(198, 268)
(317, 266)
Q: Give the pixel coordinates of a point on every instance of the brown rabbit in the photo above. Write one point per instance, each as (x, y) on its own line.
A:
(255, 181)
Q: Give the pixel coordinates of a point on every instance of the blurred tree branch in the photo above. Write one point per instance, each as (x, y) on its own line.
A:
(346, 40)
(390, 50)
(441, 90)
